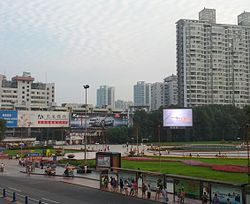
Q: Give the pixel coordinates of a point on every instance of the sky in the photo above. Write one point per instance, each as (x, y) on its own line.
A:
(97, 42)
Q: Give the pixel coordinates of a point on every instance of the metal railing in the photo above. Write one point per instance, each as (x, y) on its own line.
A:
(14, 196)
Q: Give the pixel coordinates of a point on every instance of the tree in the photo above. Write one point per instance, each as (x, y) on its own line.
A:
(2, 128)
(117, 135)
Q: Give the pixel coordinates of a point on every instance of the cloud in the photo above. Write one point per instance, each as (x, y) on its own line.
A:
(104, 41)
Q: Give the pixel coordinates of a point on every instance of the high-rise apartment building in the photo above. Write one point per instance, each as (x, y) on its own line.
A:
(142, 94)
(122, 105)
(213, 61)
(105, 97)
(170, 90)
(21, 92)
(157, 95)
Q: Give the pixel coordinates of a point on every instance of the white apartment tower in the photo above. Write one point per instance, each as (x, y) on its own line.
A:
(23, 93)
(157, 95)
(105, 97)
(213, 61)
(170, 90)
(122, 105)
(142, 94)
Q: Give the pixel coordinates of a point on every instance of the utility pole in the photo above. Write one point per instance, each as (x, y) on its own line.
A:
(85, 135)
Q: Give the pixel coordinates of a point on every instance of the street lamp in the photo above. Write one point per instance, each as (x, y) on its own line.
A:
(159, 141)
(247, 130)
(85, 135)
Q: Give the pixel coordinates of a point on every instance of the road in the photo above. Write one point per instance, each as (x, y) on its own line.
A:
(53, 191)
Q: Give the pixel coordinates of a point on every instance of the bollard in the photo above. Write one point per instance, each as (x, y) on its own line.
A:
(4, 193)
(26, 200)
(40, 202)
(14, 197)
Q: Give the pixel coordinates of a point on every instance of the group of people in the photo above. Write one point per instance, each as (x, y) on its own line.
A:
(131, 186)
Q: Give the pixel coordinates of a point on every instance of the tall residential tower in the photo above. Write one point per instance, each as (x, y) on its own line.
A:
(142, 94)
(105, 97)
(213, 61)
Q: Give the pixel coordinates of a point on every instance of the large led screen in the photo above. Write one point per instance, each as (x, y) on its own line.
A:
(177, 118)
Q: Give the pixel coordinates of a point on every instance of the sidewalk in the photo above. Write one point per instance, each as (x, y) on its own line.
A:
(89, 180)
(93, 180)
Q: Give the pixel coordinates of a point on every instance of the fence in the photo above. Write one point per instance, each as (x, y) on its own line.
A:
(139, 183)
(14, 197)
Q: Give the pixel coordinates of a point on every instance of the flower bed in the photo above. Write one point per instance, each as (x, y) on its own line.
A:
(231, 168)
(150, 159)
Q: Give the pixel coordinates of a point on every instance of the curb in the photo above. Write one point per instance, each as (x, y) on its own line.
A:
(40, 174)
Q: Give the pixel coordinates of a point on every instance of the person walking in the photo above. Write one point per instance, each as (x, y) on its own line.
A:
(121, 186)
(182, 196)
(126, 187)
(143, 189)
(228, 201)
(148, 192)
(204, 198)
(164, 195)
(215, 199)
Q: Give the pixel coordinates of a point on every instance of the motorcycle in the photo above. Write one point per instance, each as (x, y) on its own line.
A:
(50, 172)
(68, 173)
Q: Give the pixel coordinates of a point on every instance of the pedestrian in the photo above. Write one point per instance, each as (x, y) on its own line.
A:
(149, 192)
(143, 189)
(158, 189)
(135, 187)
(228, 201)
(164, 195)
(126, 187)
(2, 165)
(215, 199)
(182, 196)
(106, 183)
(132, 190)
(121, 186)
(204, 198)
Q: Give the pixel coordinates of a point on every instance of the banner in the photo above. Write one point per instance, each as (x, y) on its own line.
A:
(98, 120)
(103, 161)
(10, 116)
(226, 193)
(43, 119)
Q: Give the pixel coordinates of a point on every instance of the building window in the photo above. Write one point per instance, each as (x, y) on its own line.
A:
(23, 97)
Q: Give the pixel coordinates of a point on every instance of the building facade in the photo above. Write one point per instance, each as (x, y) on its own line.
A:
(21, 92)
(142, 94)
(122, 105)
(213, 63)
(170, 90)
(105, 97)
(157, 95)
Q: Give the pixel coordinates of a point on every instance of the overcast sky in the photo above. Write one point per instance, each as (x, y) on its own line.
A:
(97, 42)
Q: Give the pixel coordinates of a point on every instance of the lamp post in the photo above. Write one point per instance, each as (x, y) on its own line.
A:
(85, 135)
(159, 145)
(247, 130)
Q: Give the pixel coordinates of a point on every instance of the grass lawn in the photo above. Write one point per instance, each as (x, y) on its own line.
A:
(236, 161)
(179, 168)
